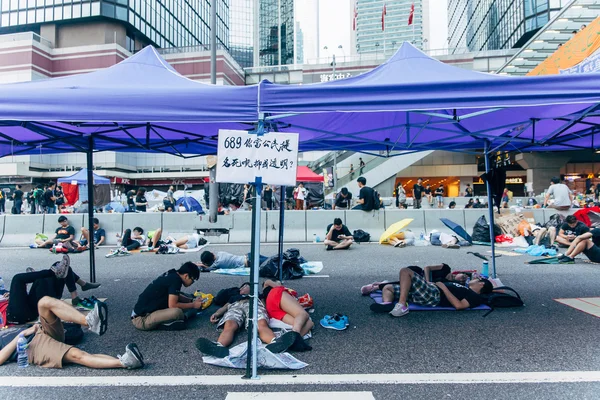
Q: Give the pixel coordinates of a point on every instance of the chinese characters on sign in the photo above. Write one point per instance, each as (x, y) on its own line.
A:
(243, 156)
(334, 77)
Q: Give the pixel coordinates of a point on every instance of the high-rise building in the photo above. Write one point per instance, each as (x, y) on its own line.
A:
(269, 17)
(373, 37)
(497, 24)
(299, 44)
(130, 23)
(241, 31)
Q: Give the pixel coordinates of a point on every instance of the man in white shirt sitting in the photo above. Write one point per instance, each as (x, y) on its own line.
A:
(563, 198)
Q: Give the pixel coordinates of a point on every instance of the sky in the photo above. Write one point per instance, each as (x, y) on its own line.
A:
(336, 26)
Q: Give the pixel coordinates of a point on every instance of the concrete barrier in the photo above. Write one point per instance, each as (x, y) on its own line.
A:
(179, 223)
(112, 223)
(432, 219)
(294, 226)
(224, 223)
(317, 221)
(372, 222)
(242, 227)
(20, 230)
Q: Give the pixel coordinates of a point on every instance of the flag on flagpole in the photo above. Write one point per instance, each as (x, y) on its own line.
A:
(412, 14)
(383, 13)
(355, 17)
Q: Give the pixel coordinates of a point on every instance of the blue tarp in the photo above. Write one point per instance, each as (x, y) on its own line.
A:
(81, 178)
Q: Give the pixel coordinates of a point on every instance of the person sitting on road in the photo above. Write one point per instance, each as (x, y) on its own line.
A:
(162, 305)
(48, 349)
(233, 316)
(186, 242)
(22, 305)
(131, 240)
(432, 273)
(222, 260)
(569, 230)
(99, 235)
(338, 236)
(63, 240)
(283, 306)
(415, 288)
(587, 243)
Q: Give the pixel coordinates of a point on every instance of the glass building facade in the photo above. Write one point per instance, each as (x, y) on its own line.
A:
(369, 35)
(166, 23)
(481, 25)
(268, 21)
(241, 31)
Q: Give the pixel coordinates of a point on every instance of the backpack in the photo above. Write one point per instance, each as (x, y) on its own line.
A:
(361, 236)
(376, 202)
(503, 299)
(73, 333)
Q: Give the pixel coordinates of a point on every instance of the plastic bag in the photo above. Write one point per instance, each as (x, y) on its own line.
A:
(481, 230)
(266, 359)
(504, 239)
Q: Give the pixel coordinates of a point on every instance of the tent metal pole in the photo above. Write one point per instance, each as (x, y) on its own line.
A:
(90, 188)
(490, 206)
(251, 360)
(213, 186)
(281, 224)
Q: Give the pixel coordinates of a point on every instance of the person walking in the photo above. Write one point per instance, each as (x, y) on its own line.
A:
(351, 171)
(361, 165)
(268, 196)
(300, 196)
(140, 200)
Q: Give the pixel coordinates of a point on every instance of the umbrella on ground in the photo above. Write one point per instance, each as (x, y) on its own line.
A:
(394, 229)
(456, 228)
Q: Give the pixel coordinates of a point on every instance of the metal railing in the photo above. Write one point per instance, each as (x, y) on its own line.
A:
(350, 176)
(189, 49)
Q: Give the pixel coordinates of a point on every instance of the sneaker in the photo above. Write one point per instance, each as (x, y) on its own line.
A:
(132, 359)
(90, 285)
(178, 325)
(33, 246)
(399, 310)
(113, 253)
(330, 322)
(329, 247)
(97, 319)
(210, 348)
(299, 344)
(282, 343)
(61, 268)
(381, 308)
(124, 252)
(75, 302)
(566, 260)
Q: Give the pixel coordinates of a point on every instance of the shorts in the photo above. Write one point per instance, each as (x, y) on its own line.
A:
(47, 349)
(440, 199)
(593, 253)
(192, 242)
(238, 312)
(274, 301)
(422, 292)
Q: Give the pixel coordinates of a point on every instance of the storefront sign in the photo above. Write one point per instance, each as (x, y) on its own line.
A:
(509, 181)
(242, 157)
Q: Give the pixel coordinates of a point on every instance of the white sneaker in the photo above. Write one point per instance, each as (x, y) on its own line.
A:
(132, 359)
(97, 319)
(399, 310)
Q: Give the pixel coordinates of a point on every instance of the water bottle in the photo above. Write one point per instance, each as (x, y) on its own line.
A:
(2, 284)
(314, 238)
(485, 269)
(22, 360)
(318, 239)
(422, 236)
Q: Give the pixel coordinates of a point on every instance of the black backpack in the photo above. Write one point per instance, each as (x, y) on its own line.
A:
(503, 299)
(361, 236)
(376, 202)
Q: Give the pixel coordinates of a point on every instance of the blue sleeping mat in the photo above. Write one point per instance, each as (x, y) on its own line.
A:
(376, 295)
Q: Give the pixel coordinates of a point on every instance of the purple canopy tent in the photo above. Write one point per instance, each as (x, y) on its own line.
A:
(140, 105)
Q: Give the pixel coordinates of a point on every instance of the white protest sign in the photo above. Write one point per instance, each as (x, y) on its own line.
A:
(243, 156)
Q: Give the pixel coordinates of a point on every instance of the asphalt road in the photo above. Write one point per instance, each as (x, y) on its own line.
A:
(543, 336)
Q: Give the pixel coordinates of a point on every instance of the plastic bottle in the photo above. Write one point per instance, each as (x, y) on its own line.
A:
(422, 236)
(314, 238)
(2, 284)
(22, 358)
(485, 269)
(318, 239)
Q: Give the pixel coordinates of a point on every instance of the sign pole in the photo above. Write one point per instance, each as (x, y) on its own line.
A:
(490, 206)
(281, 220)
(90, 188)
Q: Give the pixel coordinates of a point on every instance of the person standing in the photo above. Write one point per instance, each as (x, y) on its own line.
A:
(300, 196)
(417, 193)
(18, 200)
(268, 196)
(140, 200)
(563, 198)
(439, 195)
(170, 194)
(469, 191)
(31, 201)
(50, 198)
(400, 196)
(351, 171)
(2, 201)
(361, 165)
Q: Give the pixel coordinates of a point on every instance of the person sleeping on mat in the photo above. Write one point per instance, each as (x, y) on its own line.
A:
(431, 273)
(415, 288)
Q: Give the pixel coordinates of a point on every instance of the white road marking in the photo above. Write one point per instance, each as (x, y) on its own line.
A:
(300, 395)
(274, 380)
(316, 276)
